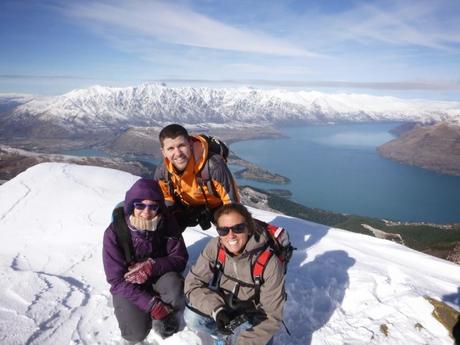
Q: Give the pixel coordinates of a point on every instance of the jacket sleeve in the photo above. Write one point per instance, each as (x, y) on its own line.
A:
(175, 259)
(272, 298)
(115, 267)
(196, 289)
(223, 181)
(161, 176)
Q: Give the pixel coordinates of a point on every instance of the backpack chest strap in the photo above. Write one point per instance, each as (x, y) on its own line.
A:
(257, 270)
(218, 268)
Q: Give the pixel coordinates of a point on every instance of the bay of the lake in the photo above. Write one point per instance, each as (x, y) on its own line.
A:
(337, 168)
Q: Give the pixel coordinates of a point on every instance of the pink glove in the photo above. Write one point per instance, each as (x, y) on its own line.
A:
(139, 272)
(160, 309)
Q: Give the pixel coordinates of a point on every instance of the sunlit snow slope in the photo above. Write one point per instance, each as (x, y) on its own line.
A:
(342, 286)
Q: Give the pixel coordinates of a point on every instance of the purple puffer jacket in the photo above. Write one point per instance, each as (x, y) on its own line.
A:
(165, 245)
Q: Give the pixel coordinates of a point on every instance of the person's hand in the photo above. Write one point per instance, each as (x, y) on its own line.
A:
(222, 320)
(140, 272)
(160, 310)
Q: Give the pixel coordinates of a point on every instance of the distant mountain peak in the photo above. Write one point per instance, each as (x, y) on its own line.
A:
(149, 103)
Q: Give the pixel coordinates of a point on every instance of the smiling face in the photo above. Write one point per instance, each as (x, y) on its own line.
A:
(233, 242)
(146, 213)
(178, 151)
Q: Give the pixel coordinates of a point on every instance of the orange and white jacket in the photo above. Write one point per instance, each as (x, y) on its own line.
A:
(186, 185)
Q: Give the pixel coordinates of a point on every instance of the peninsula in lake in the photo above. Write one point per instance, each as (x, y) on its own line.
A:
(434, 147)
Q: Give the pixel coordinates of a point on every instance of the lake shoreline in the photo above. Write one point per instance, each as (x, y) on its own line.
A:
(408, 194)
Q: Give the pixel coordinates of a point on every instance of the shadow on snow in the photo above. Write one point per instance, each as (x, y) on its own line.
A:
(315, 288)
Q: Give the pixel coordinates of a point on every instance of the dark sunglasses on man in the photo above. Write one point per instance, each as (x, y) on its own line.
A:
(141, 206)
(237, 229)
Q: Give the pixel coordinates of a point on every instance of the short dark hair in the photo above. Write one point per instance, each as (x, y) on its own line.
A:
(172, 131)
(240, 209)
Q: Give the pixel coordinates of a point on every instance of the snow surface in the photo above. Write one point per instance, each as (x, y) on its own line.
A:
(342, 286)
(155, 104)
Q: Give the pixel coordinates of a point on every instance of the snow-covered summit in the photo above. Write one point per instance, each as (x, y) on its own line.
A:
(343, 288)
(156, 104)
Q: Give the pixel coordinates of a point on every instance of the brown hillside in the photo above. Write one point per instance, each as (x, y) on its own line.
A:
(435, 147)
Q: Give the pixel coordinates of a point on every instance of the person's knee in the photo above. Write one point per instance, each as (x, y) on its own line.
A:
(134, 323)
(170, 287)
(170, 280)
(198, 321)
(134, 335)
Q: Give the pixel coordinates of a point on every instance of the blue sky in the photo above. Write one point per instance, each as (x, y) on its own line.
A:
(402, 48)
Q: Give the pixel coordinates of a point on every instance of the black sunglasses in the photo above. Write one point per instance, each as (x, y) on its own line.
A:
(237, 229)
(141, 206)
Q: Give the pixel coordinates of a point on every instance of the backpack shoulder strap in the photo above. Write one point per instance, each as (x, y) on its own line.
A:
(204, 175)
(163, 174)
(172, 191)
(218, 267)
(258, 270)
(123, 234)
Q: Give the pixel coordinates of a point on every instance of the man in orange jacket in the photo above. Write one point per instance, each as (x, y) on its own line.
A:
(195, 181)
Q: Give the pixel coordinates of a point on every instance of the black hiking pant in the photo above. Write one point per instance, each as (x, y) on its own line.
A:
(134, 323)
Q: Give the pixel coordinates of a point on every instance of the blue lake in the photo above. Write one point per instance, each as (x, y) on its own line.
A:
(86, 153)
(337, 168)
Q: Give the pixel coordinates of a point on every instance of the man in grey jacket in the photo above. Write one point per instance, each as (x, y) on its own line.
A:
(218, 299)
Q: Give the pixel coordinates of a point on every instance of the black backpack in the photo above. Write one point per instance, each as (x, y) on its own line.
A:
(215, 147)
(123, 233)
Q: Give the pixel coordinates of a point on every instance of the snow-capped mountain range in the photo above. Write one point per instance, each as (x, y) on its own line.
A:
(157, 104)
(343, 287)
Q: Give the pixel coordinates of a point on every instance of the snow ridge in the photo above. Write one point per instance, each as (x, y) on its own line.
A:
(156, 104)
(343, 287)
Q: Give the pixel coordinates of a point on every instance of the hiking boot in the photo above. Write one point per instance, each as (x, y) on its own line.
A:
(166, 327)
(223, 341)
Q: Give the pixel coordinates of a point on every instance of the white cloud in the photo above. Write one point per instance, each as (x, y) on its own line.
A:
(170, 23)
(419, 23)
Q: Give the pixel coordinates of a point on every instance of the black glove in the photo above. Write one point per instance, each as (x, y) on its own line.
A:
(222, 320)
(185, 216)
(192, 216)
(204, 218)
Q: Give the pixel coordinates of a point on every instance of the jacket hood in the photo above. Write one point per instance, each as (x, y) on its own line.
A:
(143, 189)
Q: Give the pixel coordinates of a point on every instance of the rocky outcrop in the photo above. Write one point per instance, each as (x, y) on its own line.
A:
(384, 235)
(252, 171)
(138, 140)
(454, 255)
(253, 198)
(435, 147)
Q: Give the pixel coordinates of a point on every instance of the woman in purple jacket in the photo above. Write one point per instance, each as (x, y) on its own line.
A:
(143, 255)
